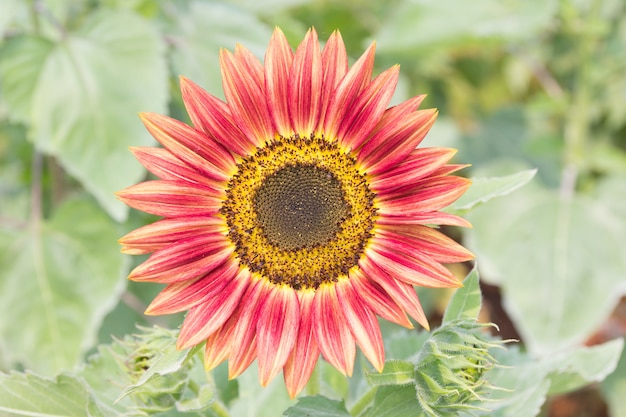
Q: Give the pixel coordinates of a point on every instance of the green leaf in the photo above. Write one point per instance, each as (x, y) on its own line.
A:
(559, 262)
(31, 395)
(583, 366)
(167, 361)
(526, 382)
(466, 301)
(81, 94)
(196, 55)
(59, 278)
(614, 388)
(415, 24)
(395, 401)
(485, 189)
(395, 372)
(523, 384)
(318, 406)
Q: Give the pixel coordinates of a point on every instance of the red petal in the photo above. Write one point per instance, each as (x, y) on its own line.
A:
(184, 260)
(301, 362)
(219, 344)
(332, 331)
(393, 143)
(395, 114)
(196, 149)
(171, 199)
(277, 331)
(244, 88)
(212, 116)
(157, 235)
(425, 240)
(347, 92)
(305, 84)
(378, 299)
(363, 323)
(408, 267)
(181, 296)
(335, 66)
(420, 164)
(430, 195)
(404, 294)
(207, 317)
(424, 218)
(166, 166)
(278, 61)
(244, 349)
(368, 109)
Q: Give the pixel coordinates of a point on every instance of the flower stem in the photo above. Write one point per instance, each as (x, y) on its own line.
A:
(363, 402)
(218, 409)
(577, 123)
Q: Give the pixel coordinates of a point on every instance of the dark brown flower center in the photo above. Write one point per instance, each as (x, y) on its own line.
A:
(300, 206)
(299, 211)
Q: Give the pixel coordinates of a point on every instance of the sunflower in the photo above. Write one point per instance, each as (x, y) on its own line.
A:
(295, 212)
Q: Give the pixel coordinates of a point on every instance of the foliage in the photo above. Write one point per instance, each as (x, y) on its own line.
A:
(531, 92)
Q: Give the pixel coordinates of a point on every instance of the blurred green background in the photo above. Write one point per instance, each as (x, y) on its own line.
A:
(519, 84)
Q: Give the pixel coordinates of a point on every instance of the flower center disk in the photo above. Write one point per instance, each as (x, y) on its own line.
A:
(300, 206)
(299, 211)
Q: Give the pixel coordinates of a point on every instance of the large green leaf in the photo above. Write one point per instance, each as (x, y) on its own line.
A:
(485, 189)
(32, 395)
(58, 279)
(614, 388)
(559, 261)
(573, 370)
(80, 96)
(419, 23)
(525, 382)
(196, 55)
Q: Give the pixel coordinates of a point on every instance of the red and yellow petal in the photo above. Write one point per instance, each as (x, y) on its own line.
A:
(347, 92)
(363, 115)
(245, 334)
(420, 164)
(335, 67)
(332, 331)
(213, 117)
(305, 84)
(277, 328)
(162, 233)
(184, 260)
(171, 198)
(181, 296)
(205, 318)
(303, 357)
(278, 62)
(244, 88)
(362, 322)
(195, 148)
(394, 142)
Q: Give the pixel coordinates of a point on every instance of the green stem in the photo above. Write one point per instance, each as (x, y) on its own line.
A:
(577, 127)
(363, 402)
(218, 409)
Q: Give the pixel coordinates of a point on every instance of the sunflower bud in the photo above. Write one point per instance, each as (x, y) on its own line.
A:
(450, 370)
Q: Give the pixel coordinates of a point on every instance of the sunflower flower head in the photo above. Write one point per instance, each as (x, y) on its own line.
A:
(295, 212)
